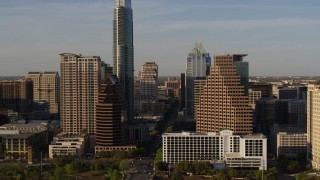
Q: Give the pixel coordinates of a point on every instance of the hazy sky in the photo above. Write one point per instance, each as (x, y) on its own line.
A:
(281, 37)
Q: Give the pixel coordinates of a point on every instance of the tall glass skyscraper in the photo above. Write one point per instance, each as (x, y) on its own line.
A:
(198, 66)
(123, 50)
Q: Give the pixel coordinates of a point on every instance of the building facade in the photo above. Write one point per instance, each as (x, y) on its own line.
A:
(17, 95)
(198, 65)
(248, 151)
(80, 77)
(123, 58)
(109, 111)
(313, 125)
(222, 103)
(18, 138)
(46, 88)
(291, 144)
(68, 146)
(149, 82)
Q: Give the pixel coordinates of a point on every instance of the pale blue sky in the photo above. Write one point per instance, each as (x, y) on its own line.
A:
(282, 37)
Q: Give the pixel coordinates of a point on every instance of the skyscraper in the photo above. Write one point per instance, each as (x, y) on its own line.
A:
(222, 103)
(46, 87)
(79, 87)
(108, 113)
(123, 58)
(198, 65)
(313, 124)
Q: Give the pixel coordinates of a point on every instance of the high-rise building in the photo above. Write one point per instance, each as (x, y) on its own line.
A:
(79, 87)
(198, 65)
(149, 82)
(17, 95)
(46, 88)
(123, 59)
(313, 124)
(222, 103)
(109, 110)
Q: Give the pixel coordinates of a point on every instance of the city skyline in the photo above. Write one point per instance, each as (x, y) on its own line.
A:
(279, 37)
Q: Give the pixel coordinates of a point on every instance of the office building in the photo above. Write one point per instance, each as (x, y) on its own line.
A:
(17, 95)
(46, 88)
(109, 110)
(313, 125)
(79, 87)
(149, 82)
(173, 84)
(291, 144)
(123, 58)
(198, 65)
(245, 151)
(68, 146)
(222, 103)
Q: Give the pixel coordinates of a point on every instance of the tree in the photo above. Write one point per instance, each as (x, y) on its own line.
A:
(158, 155)
(2, 150)
(98, 165)
(124, 165)
(59, 173)
(161, 165)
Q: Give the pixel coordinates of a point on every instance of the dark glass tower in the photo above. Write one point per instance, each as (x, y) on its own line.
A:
(123, 61)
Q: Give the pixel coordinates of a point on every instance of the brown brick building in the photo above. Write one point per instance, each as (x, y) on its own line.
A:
(222, 103)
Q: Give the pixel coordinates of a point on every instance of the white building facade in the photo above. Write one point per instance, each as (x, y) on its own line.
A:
(248, 151)
(63, 146)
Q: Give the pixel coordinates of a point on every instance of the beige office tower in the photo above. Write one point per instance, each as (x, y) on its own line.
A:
(46, 88)
(79, 87)
(222, 103)
(149, 82)
(313, 125)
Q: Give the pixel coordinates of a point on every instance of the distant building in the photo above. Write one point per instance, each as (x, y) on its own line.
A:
(46, 87)
(265, 89)
(17, 95)
(182, 91)
(174, 85)
(41, 110)
(68, 146)
(288, 93)
(222, 103)
(198, 65)
(254, 96)
(245, 151)
(80, 80)
(149, 82)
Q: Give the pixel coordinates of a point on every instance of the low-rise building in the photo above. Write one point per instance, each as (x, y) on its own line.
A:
(246, 151)
(18, 138)
(68, 146)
